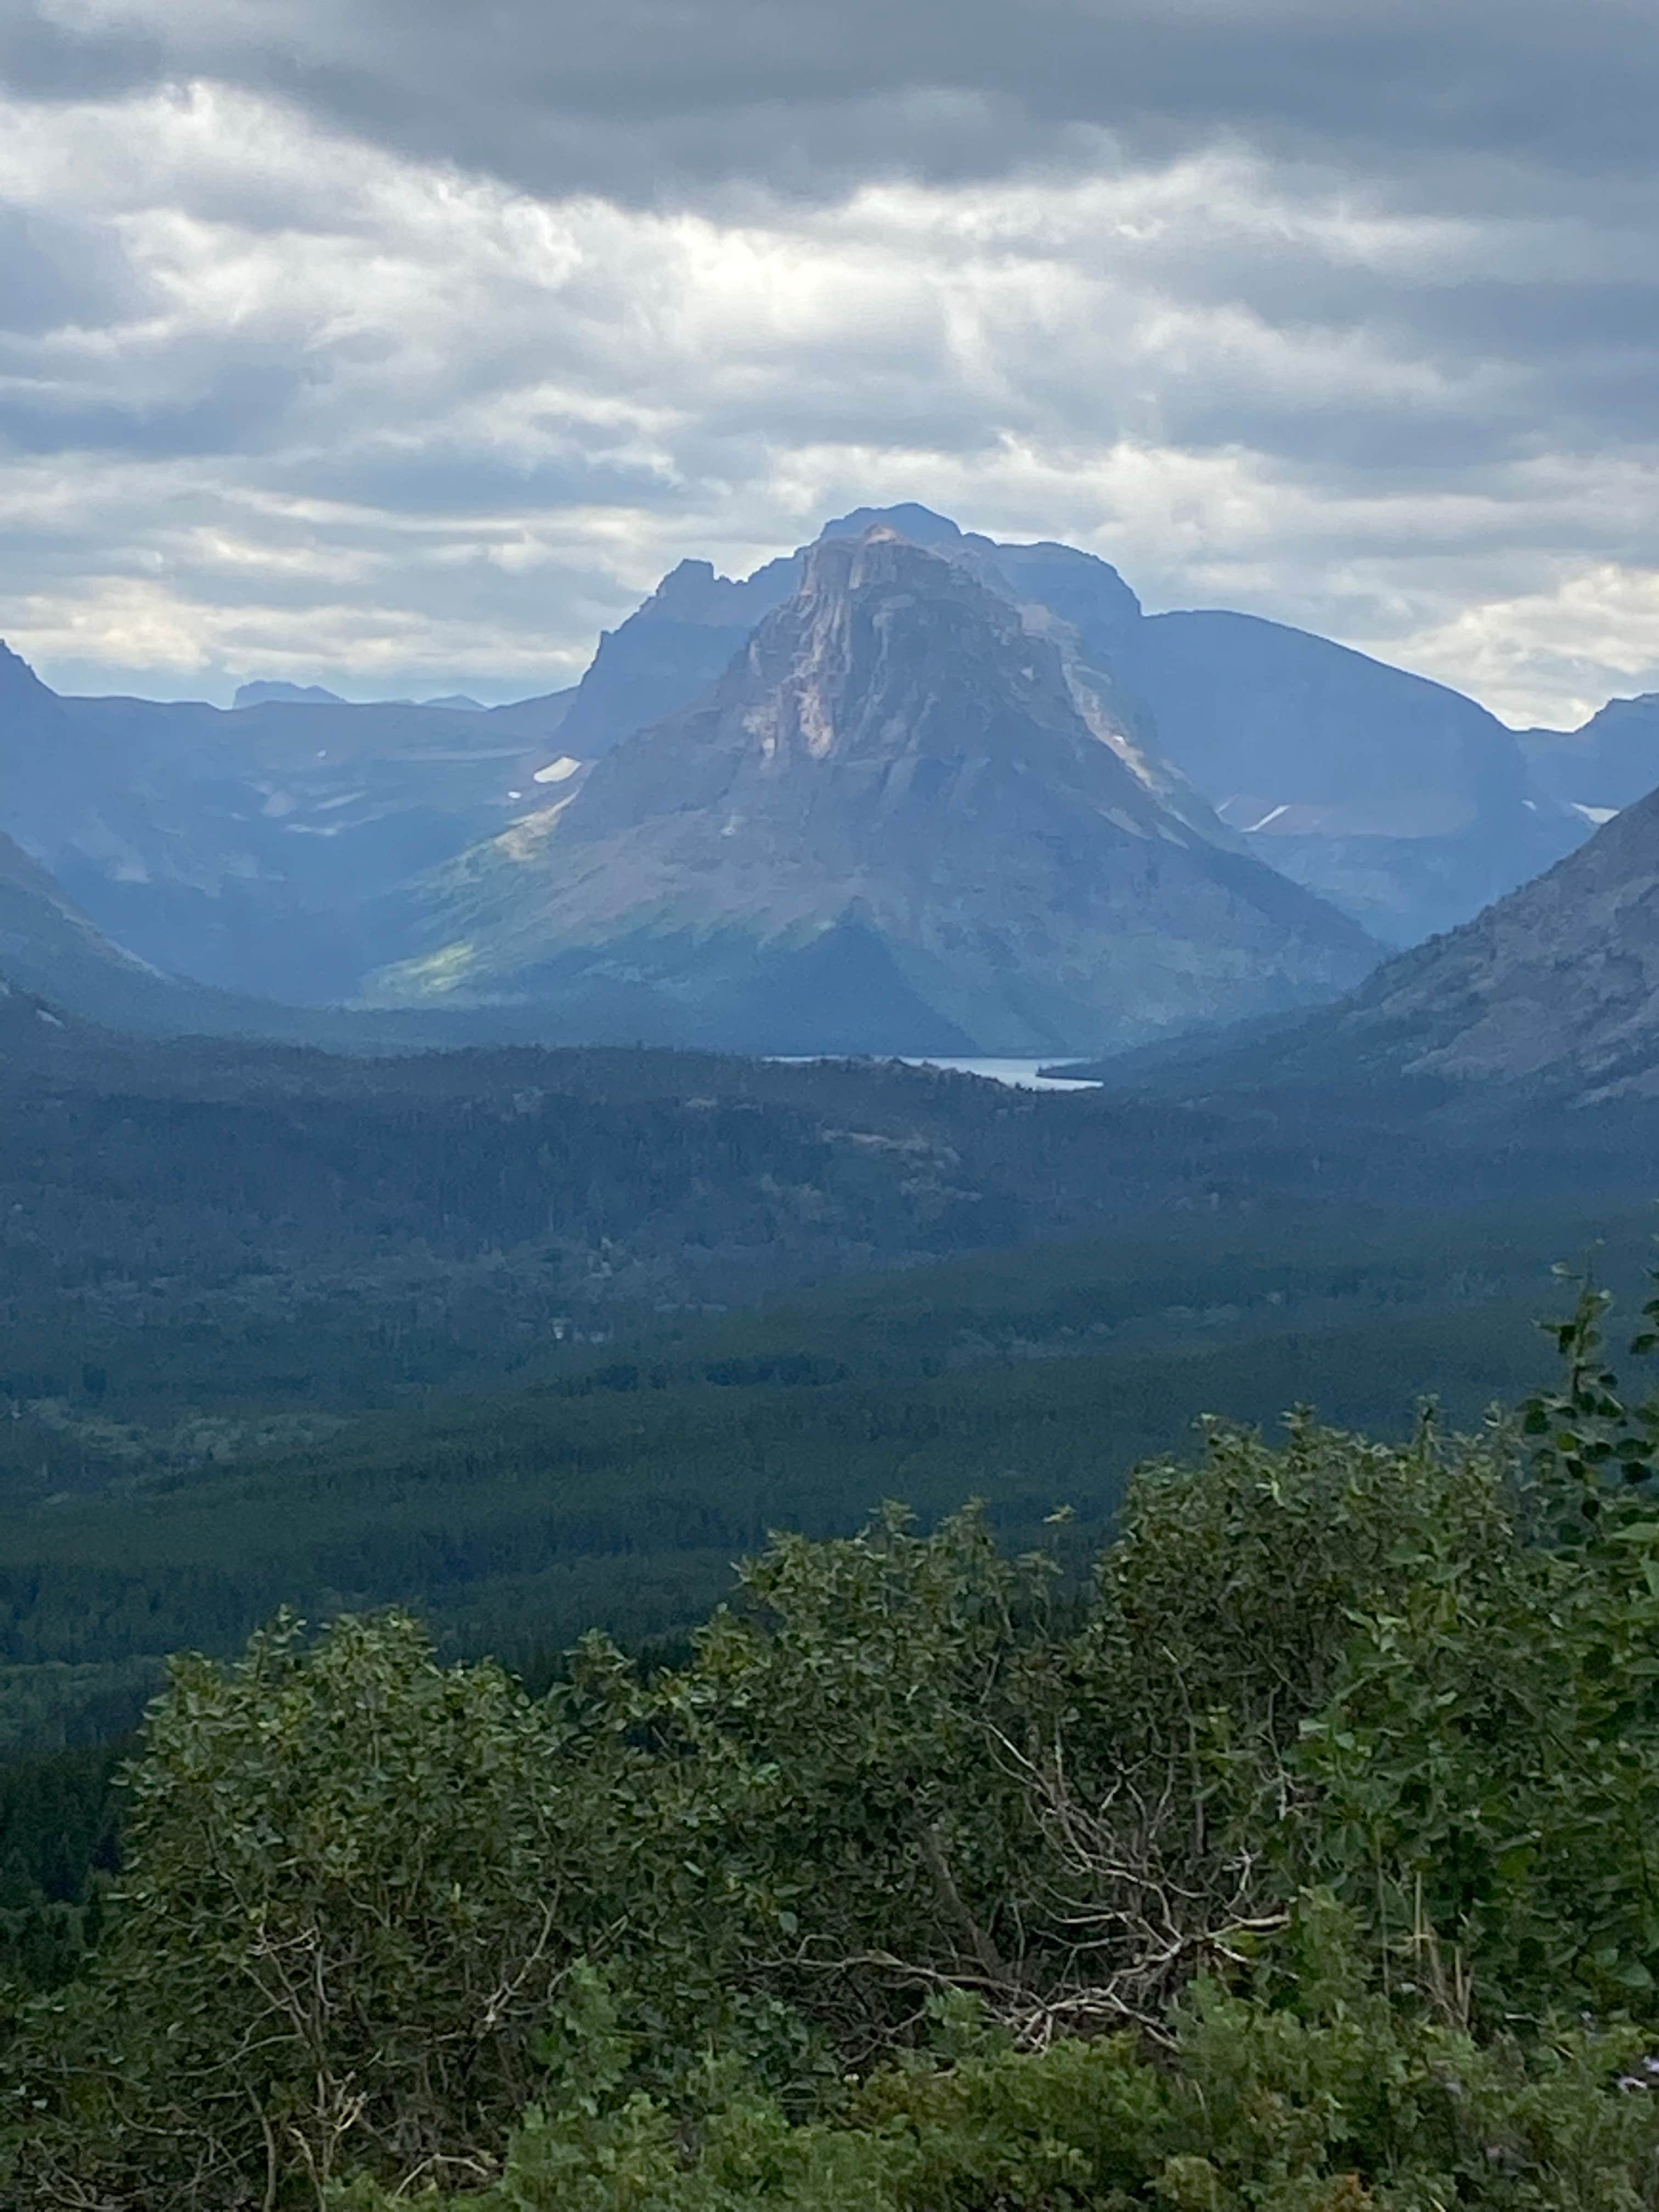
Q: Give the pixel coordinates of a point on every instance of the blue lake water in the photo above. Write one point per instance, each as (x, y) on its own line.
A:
(1019, 1075)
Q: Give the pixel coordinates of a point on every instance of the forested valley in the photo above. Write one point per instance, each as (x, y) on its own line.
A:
(1211, 1815)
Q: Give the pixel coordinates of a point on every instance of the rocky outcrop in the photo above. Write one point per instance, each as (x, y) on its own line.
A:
(668, 649)
(886, 827)
(1399, 799)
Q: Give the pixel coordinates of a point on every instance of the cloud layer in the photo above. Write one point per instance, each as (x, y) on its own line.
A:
(402, 346)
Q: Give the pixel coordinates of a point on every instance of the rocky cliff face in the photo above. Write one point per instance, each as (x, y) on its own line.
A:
(670, 649)
(886, 827)
(1399, 799)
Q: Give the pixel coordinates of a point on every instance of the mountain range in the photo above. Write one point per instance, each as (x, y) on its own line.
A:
(907, 788)
(886, 826)
(1610, 763)
(1401, 800)
(257, 849)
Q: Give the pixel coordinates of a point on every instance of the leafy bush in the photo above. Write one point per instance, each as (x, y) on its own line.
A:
(1344, 2103)
(1303, 1862)
(354, 1878)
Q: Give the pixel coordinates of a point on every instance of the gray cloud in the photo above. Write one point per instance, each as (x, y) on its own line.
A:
(235, 406)
(415, 344)
(47, 59)
(640, 96)
(57, 274)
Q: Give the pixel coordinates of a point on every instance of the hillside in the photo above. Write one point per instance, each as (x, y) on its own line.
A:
(888, 826)
(50, 953)
(1549, 998)
(98, 997)
(264, 850)
(1558, 984)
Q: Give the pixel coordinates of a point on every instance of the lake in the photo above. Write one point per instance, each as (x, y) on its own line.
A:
(1019, 1075)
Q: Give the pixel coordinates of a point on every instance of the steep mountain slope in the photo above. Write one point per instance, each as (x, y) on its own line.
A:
(885, 828)
(1549, 999)
(1612, 762)
(1401, 800)
(1556, 984)
(676, 644)
(49, 950)
(1086, 610)
(264, 850)
(670, 649)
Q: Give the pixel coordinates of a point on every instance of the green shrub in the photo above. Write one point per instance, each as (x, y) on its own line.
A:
(353, 1880)
(1304, 1864)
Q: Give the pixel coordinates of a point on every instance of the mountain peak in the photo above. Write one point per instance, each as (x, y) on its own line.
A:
(695, 592)
(887, 648)
(686, 578)
(886, 820)
(272, 692)
(907, 520)
(18, 680)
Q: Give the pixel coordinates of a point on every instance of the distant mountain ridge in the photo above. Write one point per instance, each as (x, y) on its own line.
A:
(1402, 800)
(886, 827)
(1612, 761)
(302, 849)
(272, 692)
(269, 693)
(261, 850)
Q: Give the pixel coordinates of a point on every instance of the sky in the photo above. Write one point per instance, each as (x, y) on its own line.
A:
(401, 345)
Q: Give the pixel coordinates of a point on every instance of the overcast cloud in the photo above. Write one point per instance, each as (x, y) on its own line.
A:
(400, 345)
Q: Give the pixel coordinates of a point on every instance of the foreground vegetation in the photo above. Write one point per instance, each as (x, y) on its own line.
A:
(1303, 1861)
